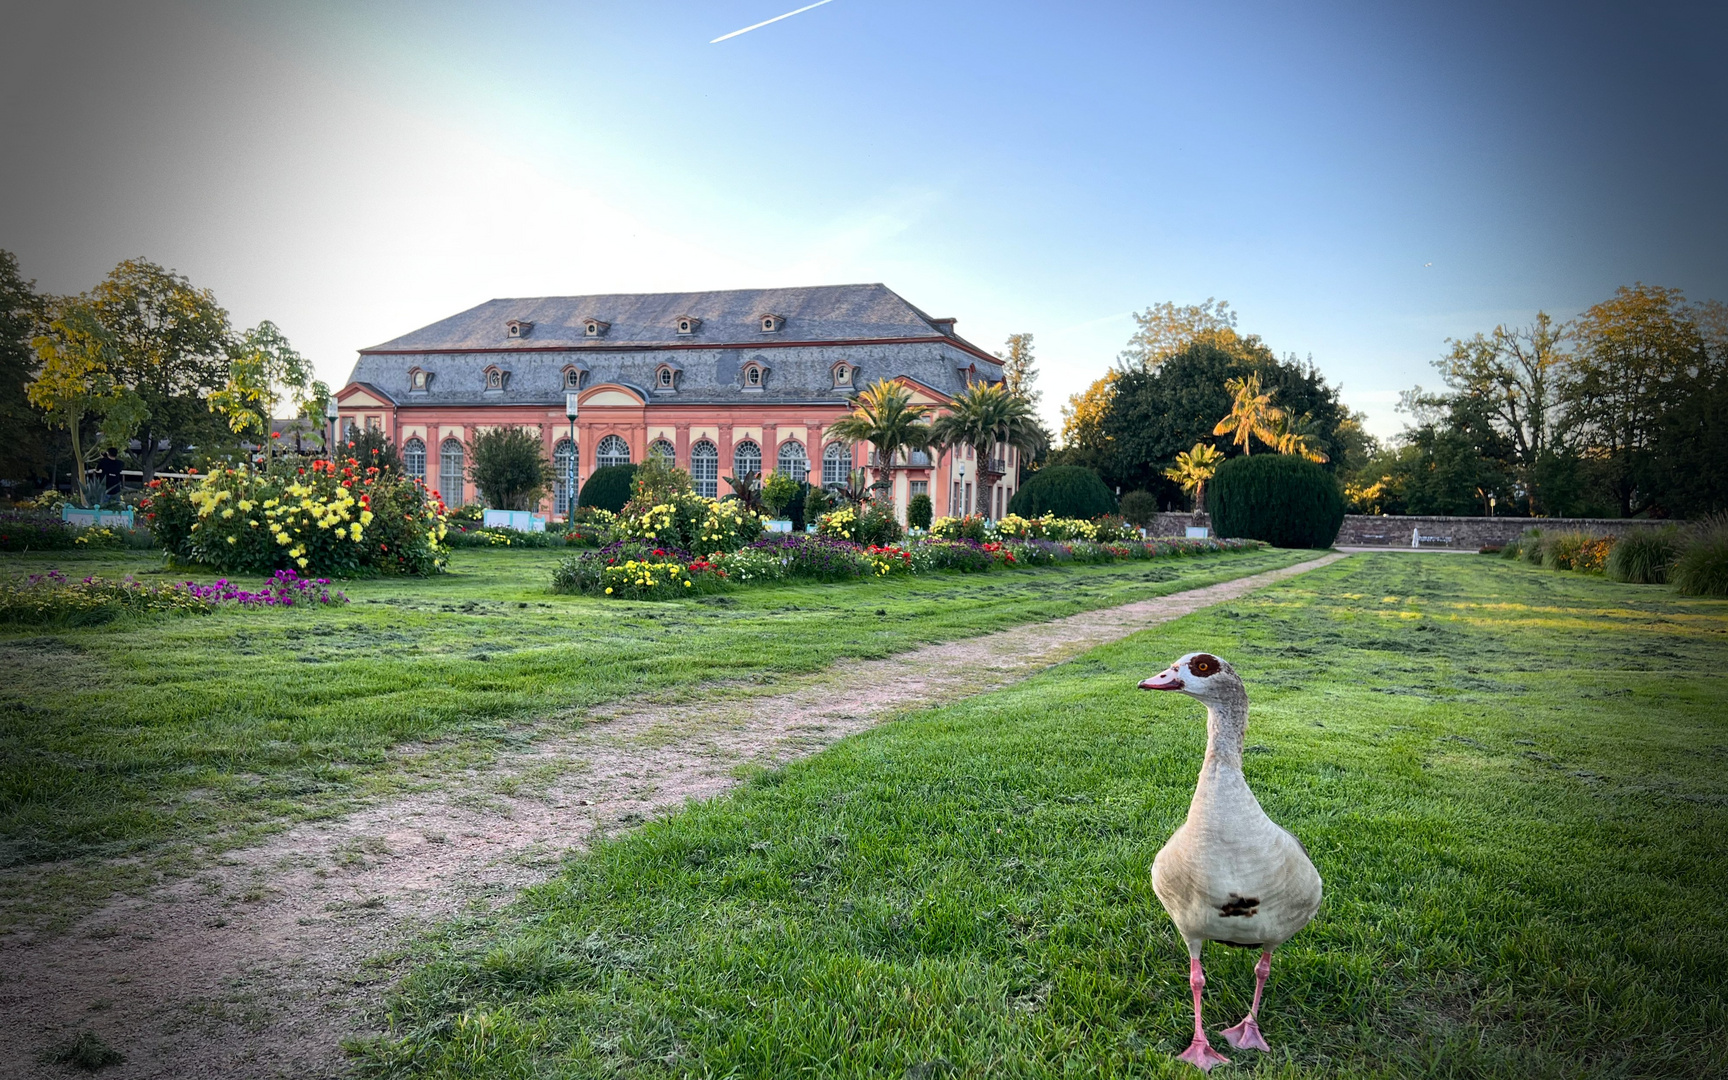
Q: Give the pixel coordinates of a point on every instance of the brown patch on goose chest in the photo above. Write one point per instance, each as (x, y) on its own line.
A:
(1239, 906)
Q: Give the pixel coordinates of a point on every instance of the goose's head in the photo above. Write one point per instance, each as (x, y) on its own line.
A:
(1199, 675)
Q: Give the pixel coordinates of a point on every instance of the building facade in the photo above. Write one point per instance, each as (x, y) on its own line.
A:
(723, 383)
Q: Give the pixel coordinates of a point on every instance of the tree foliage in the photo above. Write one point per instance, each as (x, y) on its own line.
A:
(263, 372)
(984, 416)
(28, 446)
(1163, 330)
(509, 466)
(1019, 370)
(171, 343)
(76, 381)
(885, 416)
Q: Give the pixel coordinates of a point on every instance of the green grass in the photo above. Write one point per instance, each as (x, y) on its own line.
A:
(1512, 782)
(166, 739)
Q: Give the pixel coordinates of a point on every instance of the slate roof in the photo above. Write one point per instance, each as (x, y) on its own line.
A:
(868, 324)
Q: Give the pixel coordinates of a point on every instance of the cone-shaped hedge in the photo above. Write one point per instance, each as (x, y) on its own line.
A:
(608, 488)
(1282, 499)
(1063, 490)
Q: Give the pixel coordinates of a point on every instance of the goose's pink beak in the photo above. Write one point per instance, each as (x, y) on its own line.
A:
(1164, 680)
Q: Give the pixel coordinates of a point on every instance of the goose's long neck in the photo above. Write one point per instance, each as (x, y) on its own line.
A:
(1226, 728)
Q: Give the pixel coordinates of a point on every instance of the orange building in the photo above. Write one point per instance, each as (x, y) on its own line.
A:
(721, 382)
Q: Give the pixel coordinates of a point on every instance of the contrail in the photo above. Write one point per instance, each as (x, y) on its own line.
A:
(765, 22)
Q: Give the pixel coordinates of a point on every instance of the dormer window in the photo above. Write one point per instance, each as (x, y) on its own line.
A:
(573, 376)
(843, 374)
(496, 379)
(517, 328)
(687, 324)
(595, 328)
(753, 376)
(772, 323)
(419, 380)
(666, 377)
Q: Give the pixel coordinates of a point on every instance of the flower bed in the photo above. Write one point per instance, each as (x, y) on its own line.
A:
(323, 519)
(643, 569)
(54, 598)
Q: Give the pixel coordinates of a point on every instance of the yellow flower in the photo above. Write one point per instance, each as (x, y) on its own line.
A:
(365, 517)
(231, 540)
(608, 588)
(228, 513)
(245, 505)
(282, 538)
(302, 563)
(354, 531)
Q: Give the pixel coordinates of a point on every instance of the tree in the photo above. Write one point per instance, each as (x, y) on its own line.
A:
(1515, 378)
(25, 450)
(509, 466)
(1084, 440)
(1635, 355)
(171, 348)
(1164, 330)
(1193, 468)
(984, 416)
(1018, 370)
(885, 417)
(1155, 415)
(76, 382)
(1298, 435)
(263, 371)
(1252, 414)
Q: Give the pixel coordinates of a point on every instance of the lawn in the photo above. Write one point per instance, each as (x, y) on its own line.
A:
(1512, 780)
(166, 739)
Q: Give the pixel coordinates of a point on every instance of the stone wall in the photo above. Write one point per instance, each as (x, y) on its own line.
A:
(1460, 533)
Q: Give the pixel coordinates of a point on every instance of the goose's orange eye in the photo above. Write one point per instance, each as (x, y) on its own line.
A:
(1204, 665)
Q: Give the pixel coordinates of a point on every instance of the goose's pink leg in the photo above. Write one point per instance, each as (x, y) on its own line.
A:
(1199, 1053)
(1246, 1035)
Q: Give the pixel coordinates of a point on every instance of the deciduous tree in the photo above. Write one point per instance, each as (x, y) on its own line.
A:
(26, 449)
(1163, 330)
(171, 346)
(76, 381)
(263, 371)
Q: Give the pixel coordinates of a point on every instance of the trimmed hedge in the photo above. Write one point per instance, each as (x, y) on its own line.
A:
(1282, 499)
(608, 488)
(1064, 490)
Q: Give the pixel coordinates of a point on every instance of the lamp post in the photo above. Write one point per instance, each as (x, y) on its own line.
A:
(333, 415)
(570, 462)
(965, 501)
(1491, 501)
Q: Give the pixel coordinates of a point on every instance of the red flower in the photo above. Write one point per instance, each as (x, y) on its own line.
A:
(275, 434)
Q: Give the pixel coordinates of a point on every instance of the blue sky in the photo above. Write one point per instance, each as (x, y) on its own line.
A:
(1360, 181)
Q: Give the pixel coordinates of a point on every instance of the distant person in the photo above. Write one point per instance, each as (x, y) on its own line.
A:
(108, 465)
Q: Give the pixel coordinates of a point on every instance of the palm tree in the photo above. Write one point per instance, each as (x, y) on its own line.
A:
(1193, 468)
(884, 416)
(1252, 414)
(1298, 435)
(983, 416)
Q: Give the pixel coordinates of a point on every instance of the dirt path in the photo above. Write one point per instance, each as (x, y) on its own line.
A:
(256, 967)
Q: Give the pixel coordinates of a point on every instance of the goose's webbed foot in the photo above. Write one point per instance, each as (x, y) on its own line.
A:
(1201, 1055)
(1246, 1035)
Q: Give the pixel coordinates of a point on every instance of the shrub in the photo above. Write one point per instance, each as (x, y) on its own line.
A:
(867, 525)
(509, 466)
(497, 536)
(1064, 490)
(608, 488)
(1702, 568)
(817, 558)
(971, 527)
(1575, 551)
(1282, 499)
(818, 502)
(1513, 548)
(35, 530)
(966, 556)
(1140, 507)
(1532, 549)
(1111, 528)
(1644, 556)
(693, 522)
(919, 511)
(372, 448)
(323, 520)
(778, 493)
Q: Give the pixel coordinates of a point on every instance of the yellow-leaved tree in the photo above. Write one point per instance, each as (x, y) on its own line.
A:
(76, 383)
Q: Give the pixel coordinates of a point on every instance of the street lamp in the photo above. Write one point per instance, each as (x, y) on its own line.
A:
(333, 415)
(965, 507)
(570, 462)
(1492, 499)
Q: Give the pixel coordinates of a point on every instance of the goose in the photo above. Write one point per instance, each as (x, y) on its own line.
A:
(1229, 874)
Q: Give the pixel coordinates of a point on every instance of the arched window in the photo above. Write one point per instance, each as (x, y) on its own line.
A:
(663, 449)
(705, 468)
(836, 465)
(450, 468)
(565, 463)
(753, 376)
(414, 459)
(613, 451)
(793, 461)
(746, 458)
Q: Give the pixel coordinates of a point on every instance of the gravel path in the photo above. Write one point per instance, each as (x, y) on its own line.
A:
(256, 967)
